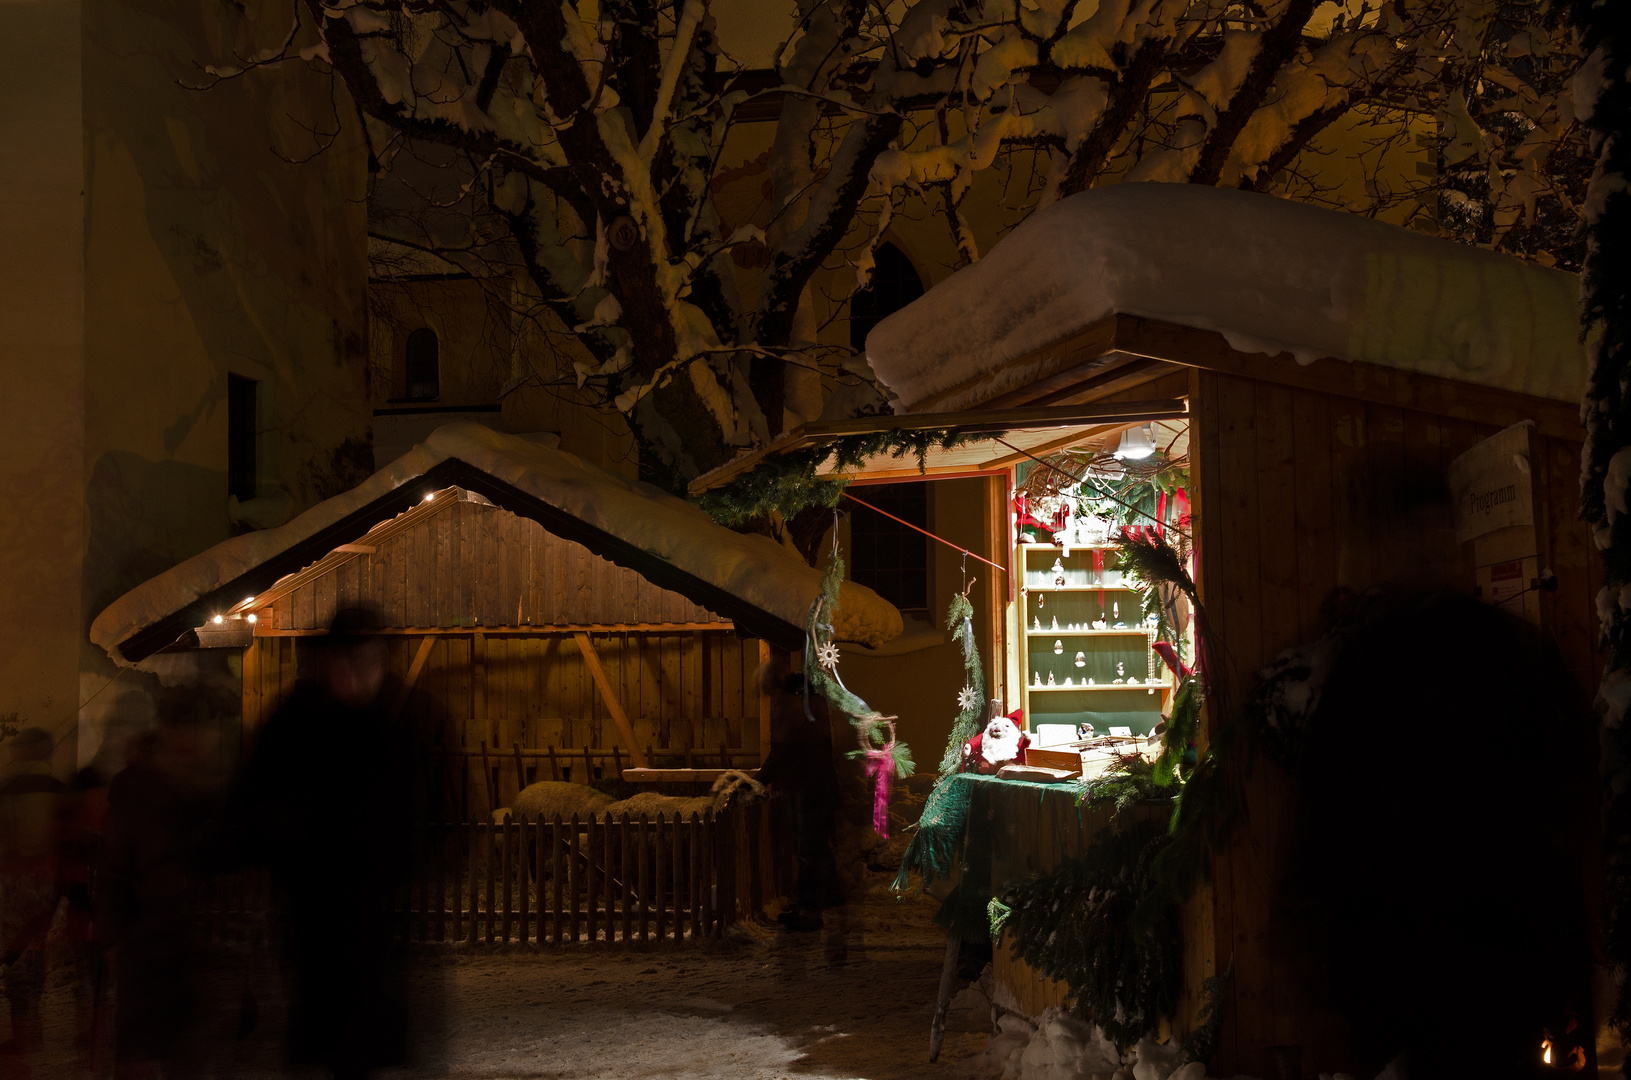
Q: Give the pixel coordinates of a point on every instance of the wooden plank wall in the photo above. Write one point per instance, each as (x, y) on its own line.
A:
(491, 584)
(1278, 535)
(472, 564)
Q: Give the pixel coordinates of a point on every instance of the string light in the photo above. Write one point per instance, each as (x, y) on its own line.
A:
(216, 620)
(250, 617)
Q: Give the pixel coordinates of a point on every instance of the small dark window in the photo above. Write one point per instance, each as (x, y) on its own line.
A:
(423, 364)
(894, 285)
(886, 556)
(241, 432)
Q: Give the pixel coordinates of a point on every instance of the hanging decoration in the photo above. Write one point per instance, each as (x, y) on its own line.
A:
(941, 823)
(882, 755)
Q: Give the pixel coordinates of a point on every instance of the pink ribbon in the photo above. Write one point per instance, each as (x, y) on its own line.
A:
(880, 765)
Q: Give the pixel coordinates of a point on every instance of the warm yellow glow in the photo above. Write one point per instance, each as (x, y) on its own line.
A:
(1546, 1051)
(251, 616)
(217, 620)
(430, 496)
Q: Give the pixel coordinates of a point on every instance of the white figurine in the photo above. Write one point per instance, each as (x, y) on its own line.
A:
(1058, 647)
(1050, 678)
(1067, 680)
(1100, 624)
(1058, 574)
(1055, 622)
(1039, 624)
(1121, 672)
(1036, 678)
(1081, 659)
(1090, 681)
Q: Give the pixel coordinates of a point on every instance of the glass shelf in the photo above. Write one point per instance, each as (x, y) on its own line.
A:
(1126, 631)
(1124, 687)
(1080, 588)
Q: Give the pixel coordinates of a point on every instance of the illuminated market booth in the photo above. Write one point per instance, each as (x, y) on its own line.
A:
(1231, 380)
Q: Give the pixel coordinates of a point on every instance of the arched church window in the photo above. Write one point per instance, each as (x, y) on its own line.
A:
(423, 365)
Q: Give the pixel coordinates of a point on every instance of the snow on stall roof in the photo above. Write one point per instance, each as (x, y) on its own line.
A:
(1271, 275)
(753, 568)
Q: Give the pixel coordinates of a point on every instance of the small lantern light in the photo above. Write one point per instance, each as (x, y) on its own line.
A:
(1136, 444)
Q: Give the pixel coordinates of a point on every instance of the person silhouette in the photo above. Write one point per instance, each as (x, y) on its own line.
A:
(324, 803)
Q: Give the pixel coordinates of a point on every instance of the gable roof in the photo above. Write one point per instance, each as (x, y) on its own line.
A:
(749, 579)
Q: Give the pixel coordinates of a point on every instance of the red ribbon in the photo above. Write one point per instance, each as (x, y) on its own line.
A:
(880, 765)
(1098, 568)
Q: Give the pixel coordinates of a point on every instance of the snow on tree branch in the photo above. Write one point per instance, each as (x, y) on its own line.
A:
(582, 145)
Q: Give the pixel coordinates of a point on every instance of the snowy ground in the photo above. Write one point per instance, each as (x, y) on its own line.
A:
(854, 1001)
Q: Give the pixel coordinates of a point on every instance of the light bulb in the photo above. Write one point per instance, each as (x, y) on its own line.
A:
(216, 620)
(250, 617)
(1136, 444)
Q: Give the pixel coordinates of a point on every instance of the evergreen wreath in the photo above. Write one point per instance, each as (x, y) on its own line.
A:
(882, 755)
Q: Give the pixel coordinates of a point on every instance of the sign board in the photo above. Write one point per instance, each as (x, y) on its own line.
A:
(1490, 484)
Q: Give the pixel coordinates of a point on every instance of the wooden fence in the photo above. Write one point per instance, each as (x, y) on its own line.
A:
(614, 881)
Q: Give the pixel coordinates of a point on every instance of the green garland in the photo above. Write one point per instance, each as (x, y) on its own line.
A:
(940, 826)
(874, 731)
(787, 483)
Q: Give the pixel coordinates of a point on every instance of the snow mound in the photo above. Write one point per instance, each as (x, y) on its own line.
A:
(753, 568)
(1271, 275)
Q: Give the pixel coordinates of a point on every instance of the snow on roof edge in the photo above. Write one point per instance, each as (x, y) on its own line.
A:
(1269, 274)
(753, 568)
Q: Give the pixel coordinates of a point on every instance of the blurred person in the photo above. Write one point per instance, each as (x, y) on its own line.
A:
(1445, 811)
(800, 763)
(324, 803)
(30, 806)
(161, 810)
(84, 819)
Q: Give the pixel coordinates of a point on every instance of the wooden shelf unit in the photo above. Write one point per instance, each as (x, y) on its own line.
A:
(1076, 602)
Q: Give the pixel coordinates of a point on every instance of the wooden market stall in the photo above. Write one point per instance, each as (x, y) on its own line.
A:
(1311, 352)
(545, 619)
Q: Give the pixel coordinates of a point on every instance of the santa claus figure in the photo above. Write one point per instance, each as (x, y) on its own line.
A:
(1003, 742)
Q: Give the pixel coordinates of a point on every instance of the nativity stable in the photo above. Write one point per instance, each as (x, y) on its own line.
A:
(546, 619)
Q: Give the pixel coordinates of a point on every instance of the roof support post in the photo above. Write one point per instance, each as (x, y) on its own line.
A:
(592, 660)
(764, 705)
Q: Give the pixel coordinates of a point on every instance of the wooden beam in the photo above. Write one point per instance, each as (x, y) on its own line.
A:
(1134, 373)
(1373, 383)
(592, 660)
(418, 665)
(357, 549)
(970, 422)
(764, 706)
(502, 631)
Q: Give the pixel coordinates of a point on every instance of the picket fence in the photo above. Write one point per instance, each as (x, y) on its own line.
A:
(624, 881)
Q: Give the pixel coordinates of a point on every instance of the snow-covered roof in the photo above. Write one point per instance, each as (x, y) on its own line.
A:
(755, 581)
(1272, 276)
